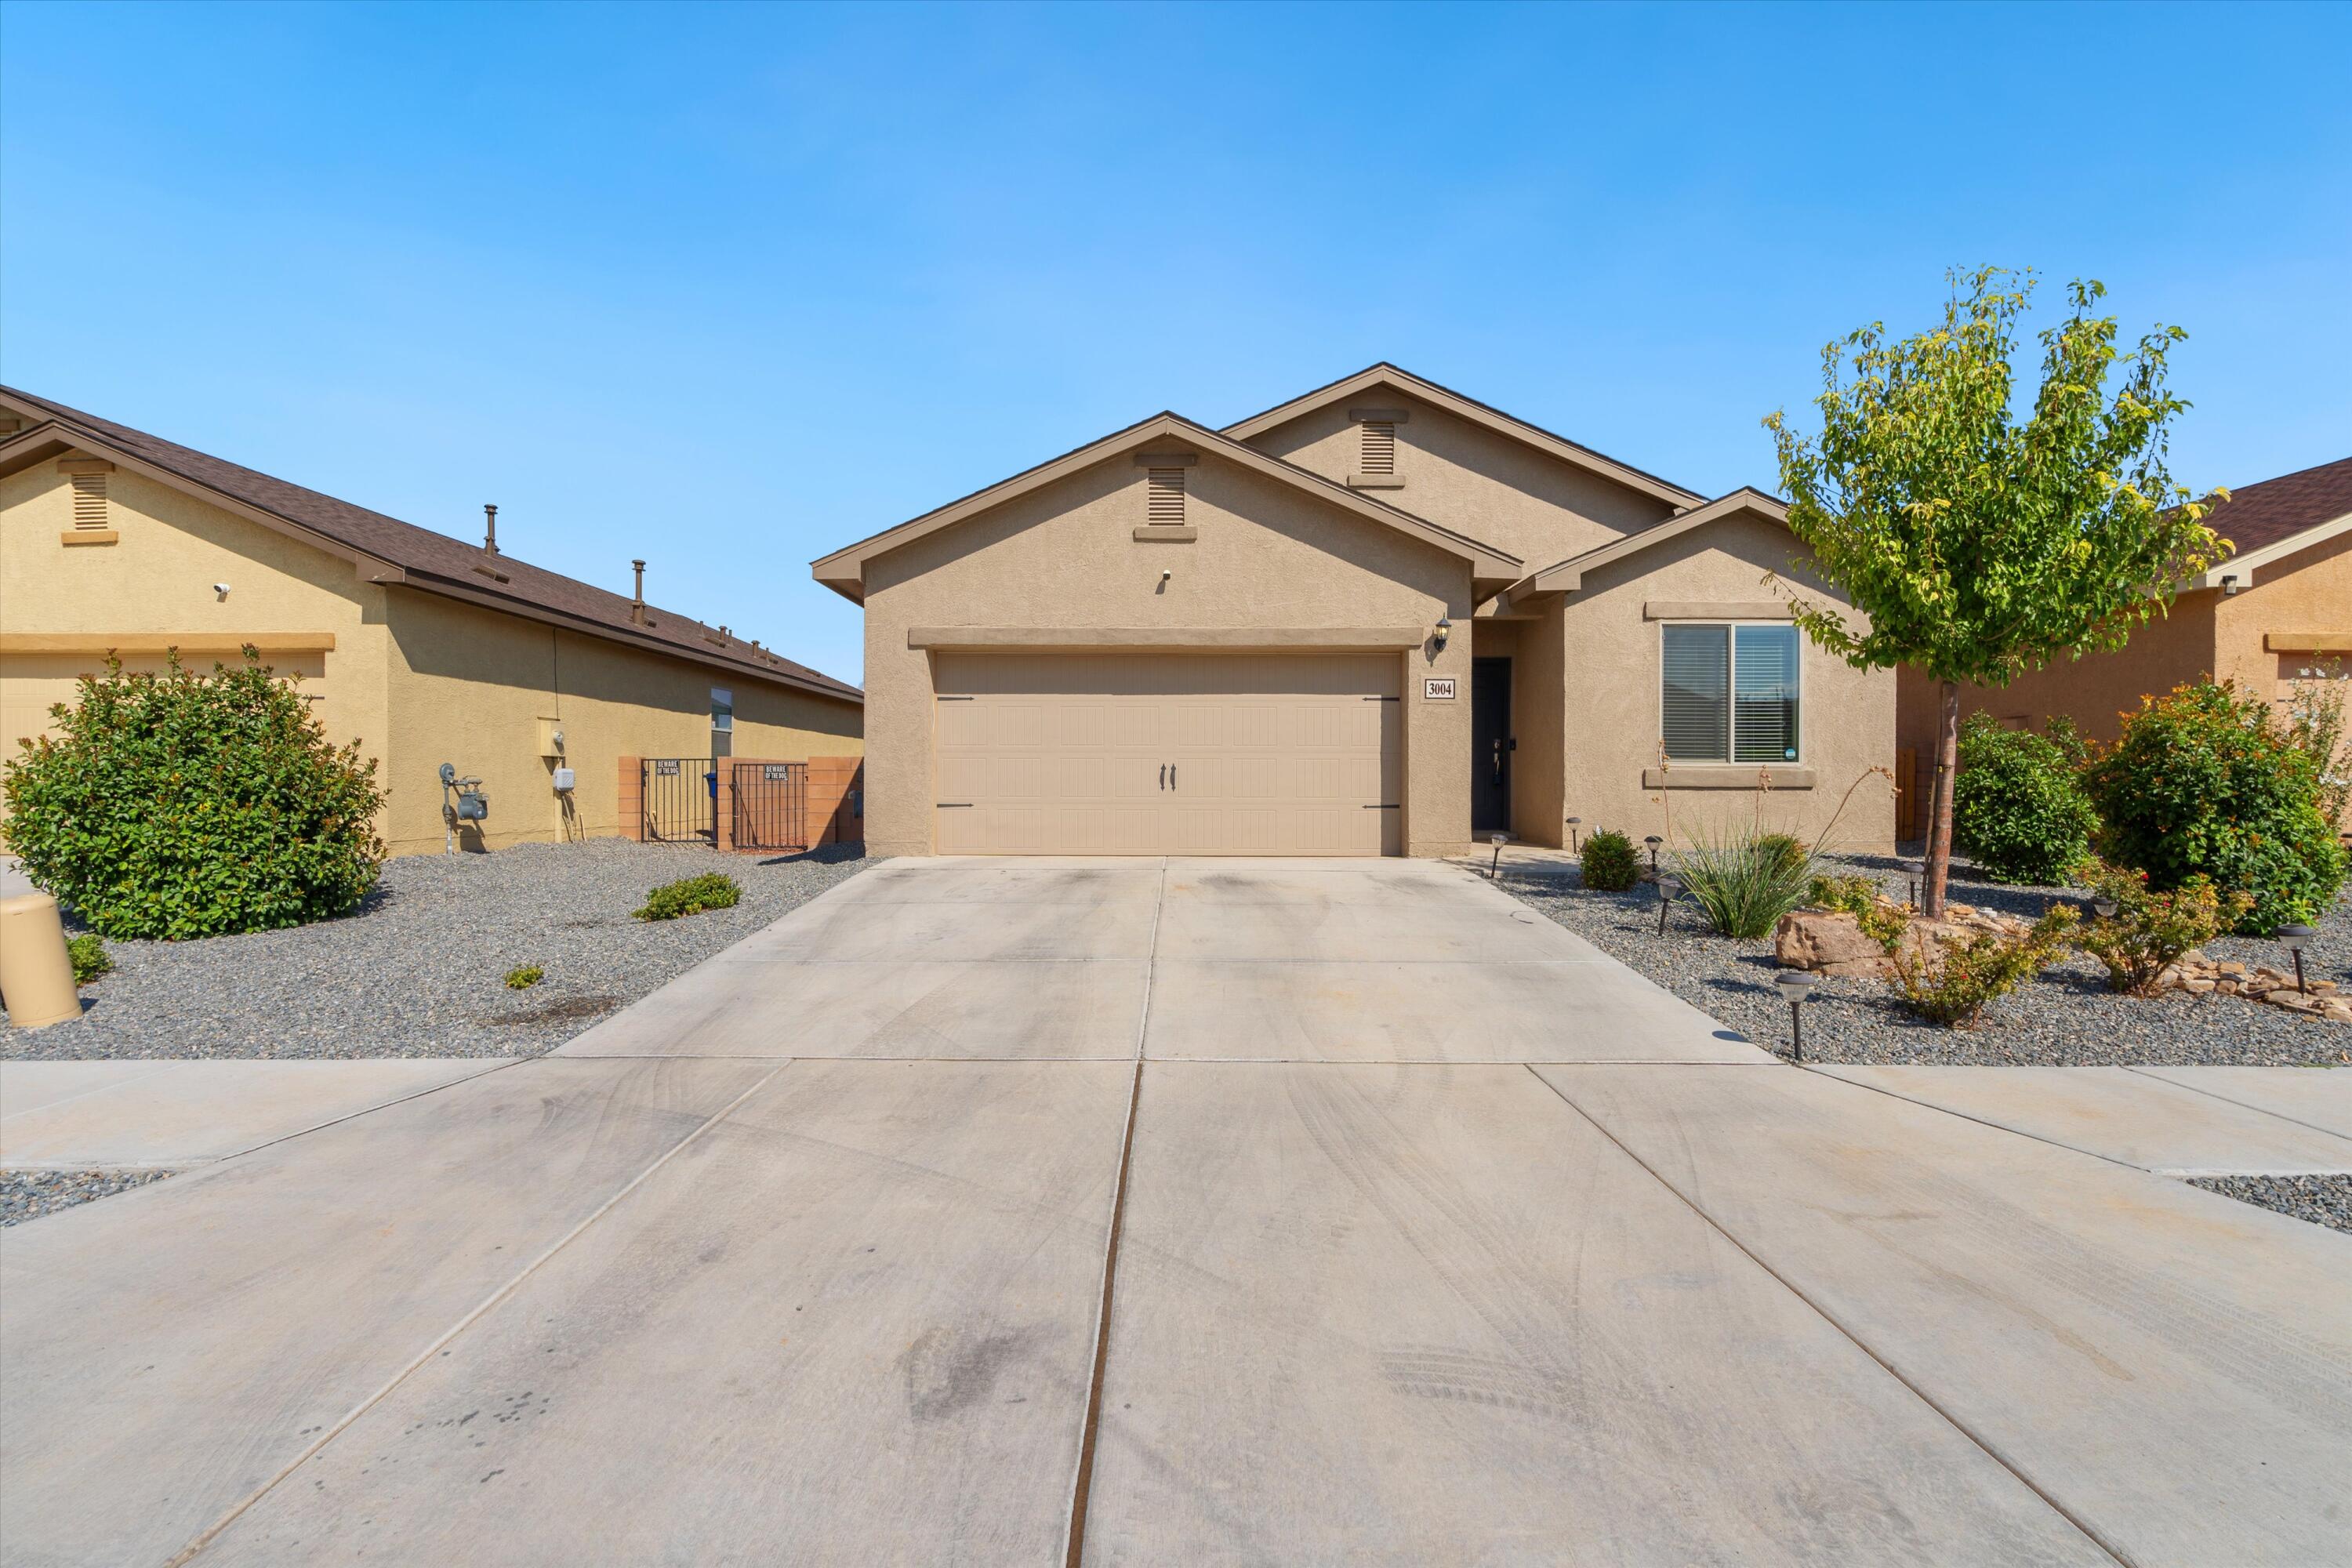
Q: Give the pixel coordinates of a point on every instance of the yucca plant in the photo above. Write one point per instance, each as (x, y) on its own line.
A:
(1746, 880)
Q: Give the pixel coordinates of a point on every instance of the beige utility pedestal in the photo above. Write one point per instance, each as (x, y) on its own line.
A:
(35, 974)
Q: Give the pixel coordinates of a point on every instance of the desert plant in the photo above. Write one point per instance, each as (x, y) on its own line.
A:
(524, 976)
(1609, 864)
(89, 958)
(1950, 983)
(2018, 809)
(1979, 545)
(2207, 782)
(1881, 920)
(691, 896)
(179, 804)
(2150, 930)
(2315, 724)
(1745, 881)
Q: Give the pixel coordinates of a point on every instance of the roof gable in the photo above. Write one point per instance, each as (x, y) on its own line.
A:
(1566, 576)
(386, 550)
(1373, 378)
(844, 570)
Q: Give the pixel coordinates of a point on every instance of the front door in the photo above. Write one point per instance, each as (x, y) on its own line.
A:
(1490, 744)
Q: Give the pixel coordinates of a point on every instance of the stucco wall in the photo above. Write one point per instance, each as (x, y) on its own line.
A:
(1611, 659)
(1473, 479)
(158, 579)
(2310, 591)
(1267, 557)
(469, 685)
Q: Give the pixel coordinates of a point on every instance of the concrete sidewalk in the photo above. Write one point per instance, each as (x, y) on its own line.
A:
(1031, 1255)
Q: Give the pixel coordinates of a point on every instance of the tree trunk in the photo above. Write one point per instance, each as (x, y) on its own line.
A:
(1939, 805)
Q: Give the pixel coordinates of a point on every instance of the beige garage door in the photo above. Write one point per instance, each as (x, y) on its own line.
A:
(1168, 754)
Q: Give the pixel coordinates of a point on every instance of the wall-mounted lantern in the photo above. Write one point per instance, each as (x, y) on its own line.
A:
(1438, 634)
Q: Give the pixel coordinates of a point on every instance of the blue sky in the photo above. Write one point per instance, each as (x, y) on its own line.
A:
(729, 286)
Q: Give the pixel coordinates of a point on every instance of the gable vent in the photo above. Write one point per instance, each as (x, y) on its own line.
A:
(1380, 446)
(1164, 496)
(88, 500)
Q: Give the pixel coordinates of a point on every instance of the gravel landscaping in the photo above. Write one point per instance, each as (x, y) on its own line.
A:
(2322, 1200)
(418, 972)
(2067, 1017)
(29, 1195)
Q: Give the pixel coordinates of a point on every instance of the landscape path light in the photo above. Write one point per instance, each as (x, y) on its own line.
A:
(2295, 939)
(1669, 890)
(1914, 870)
(1573, 824)
(1653, 841)
(1796, 988)
(1494, 872)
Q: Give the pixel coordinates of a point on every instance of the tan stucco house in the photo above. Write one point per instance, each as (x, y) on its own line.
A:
(425, 648)
(1373, 620)
(2274, 615)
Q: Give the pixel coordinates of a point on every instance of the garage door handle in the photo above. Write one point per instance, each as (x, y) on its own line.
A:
(1171, 775)
(1163, 775)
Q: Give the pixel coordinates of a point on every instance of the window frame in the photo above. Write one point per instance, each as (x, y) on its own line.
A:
(1730, 694)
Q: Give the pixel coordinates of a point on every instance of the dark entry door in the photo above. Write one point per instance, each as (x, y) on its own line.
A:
(1490, 744)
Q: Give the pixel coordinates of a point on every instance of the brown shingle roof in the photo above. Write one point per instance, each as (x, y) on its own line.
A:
(2259, 515)
(432, 560)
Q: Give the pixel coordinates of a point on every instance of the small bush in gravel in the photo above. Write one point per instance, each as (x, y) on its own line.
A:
(2019, 808)
(2207, 782)
(524, 976)
(691, 896)
(2150, 930)
(1610, 866)
(176, 805)
(89, 958)
(1952, 985)
(1745, 881)
(2315, 724)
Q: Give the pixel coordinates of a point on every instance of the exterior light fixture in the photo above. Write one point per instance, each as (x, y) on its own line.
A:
(1439, 633)
(2105, 908)
(1914, 870)
(2230, 582)
(1669, 890)
(2295, 939)
(1494, 872)
(1653, 841)
(1573, 824)
(1796, 987)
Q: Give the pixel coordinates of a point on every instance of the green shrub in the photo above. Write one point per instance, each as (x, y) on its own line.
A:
(2315, 725)
(1609, 864)
(524, 976)
(2206, 782)
(691, 896)
(89, 958)
(2019, 808)
(1746, 881)
(177, 805)
(2150, 930)
(1950, 984)
(1881, 920)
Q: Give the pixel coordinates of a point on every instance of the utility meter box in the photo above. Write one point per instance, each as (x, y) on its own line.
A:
(551, 737)
(564, 781)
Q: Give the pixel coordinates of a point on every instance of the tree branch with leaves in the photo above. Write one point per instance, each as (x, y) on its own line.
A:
(1980, 545)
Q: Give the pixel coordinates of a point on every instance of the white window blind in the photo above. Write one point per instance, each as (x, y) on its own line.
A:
(1764, 691)
(1697, 677)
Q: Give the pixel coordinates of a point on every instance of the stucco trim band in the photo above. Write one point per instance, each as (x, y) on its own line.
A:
(90, 536)
(1166, 532)
(1740, 775)
(1228, 639)
(155, 642)
(2307, 642)
(1729, 610)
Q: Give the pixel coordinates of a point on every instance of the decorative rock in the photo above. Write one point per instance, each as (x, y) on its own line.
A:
(1829, 943)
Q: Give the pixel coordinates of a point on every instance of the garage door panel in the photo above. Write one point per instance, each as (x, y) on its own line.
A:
(1157, 754)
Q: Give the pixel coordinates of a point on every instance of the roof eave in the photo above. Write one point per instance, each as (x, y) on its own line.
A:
(2243, 567)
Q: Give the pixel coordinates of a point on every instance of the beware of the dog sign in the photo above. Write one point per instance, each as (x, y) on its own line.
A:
(1437, 687)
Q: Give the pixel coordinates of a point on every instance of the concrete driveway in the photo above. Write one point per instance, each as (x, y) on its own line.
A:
(1146, 1211)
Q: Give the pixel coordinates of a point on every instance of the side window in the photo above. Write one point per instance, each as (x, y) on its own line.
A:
(723, 721)
(1729, 693)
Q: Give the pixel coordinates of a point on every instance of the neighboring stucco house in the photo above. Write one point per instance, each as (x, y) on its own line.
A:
(2276, 613)
(425, 650)
(1372, 620)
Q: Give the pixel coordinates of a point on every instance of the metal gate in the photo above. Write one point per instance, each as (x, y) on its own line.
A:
(771, 805)
(681, 801)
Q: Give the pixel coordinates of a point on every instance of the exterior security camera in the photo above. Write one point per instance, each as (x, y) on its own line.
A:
(220, 590)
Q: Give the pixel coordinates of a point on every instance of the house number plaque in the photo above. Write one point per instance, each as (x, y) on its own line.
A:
(1437, 687)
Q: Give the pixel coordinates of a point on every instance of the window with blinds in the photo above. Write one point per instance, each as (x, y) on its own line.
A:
(1729, 693)
(1379, 446)
(1163, 497)
(88, 500)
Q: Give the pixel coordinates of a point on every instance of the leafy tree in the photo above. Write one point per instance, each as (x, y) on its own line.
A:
(180, 805)
(1981, 545)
